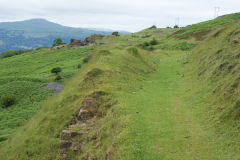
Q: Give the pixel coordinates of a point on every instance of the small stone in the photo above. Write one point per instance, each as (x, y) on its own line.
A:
(83, 144)
(64, 156)
(235, 41)
(74, 147)
(83, 131)
(90, 103)
(65, 144)
(84, 115)
(67, 134)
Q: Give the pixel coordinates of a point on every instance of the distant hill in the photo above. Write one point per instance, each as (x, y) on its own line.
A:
(35, 33)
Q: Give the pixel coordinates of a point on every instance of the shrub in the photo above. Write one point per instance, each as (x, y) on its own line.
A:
(133, 51)
(58, 78)
(11, 53)
(115, 34)
(154, 42)
(94, 72)
(151, 48)
(56, 70)
(57, 42)
(153, 27)
(8, 101)
(79, 66)
(176, 26)
(146, 44)
(86, 59)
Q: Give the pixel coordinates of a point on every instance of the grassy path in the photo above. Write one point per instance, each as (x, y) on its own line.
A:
(163, 124)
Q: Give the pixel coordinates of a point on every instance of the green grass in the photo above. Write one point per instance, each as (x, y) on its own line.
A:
(176, 45)
(165, 121)
(176, 102)
(203, 28)
(23, 76)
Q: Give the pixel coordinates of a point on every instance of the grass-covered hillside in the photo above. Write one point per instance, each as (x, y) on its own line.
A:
(200, 31)
(23, 76)
(147, 96)
(216, 62)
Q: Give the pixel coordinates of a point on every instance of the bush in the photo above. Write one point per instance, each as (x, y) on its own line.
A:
(11, 53)
(151, 48)
(115, 34)
(57, 42)
(94, 72)
(154, 42)
(133, 51)
(8, 101)
(58, 78)
(146, 44)
(56, 70)
(176, 26)
(79, 66)
(153, 27)
(86, 59)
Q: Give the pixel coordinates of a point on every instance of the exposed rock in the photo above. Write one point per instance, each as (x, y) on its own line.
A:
(67, 134)
(107, 156)
(83, 131)
(74, 146)
(83, 144)
(65, 144)
(236, 41)
(84, 122)
(53, 85)
(89, 40)
(84, 115)
(90, 103)
(64, 156)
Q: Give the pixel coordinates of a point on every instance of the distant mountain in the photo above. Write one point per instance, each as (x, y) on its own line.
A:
(35, 33)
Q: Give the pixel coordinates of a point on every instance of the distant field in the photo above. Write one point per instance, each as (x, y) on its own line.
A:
(24, 75)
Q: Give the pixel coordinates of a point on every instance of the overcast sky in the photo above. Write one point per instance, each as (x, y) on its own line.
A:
(130, 15)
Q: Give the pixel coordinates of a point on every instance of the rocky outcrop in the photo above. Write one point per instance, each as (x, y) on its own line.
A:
(236, 41)
(75, 136)
(89, 40)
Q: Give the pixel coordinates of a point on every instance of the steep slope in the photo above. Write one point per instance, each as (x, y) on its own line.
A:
(111, 70)
(200, 31)
(216, 61)
(24, 75)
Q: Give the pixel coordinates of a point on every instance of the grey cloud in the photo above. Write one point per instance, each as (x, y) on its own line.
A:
(130, 15)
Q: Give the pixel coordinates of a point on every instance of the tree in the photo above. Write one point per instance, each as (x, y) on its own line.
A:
(57, 42)
(153, 27)
(56, 70)
(176, 26)
(154, 42)
(115, 34)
